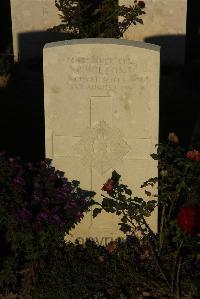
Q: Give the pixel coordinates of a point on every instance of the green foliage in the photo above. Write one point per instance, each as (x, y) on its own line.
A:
(176, 246)
(96, 18)
(163, 264)
(90, 271)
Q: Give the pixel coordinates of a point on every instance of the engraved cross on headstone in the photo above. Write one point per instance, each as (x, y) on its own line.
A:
(100, 146)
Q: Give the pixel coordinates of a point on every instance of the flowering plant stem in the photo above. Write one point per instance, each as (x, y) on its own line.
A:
(152, 246)
(179, 225)
(176, 271)
(155, 255)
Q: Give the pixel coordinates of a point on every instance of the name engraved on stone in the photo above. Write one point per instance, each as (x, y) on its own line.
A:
(101, 60)
(102, 73)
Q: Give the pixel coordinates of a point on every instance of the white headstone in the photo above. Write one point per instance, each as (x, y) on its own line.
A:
(30, 20)
(164, 25)
(101, 100)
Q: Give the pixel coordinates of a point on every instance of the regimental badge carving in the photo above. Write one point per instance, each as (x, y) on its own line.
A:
(101, 147)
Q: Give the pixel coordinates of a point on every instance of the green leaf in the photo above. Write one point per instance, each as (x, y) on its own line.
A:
(151, 182)
(96, 211)
(147, 193)
(154, 156)
(138, 199)
(108, 204)
(93, 202)
(75, 183)
(115, 176)
(118, 213)
(59, 173)
(96, 11)
(139, 21)
(125, 227)
(147, 214)
(128, 192)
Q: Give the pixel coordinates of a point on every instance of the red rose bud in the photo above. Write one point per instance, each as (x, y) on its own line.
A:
(141, 4)
(108, 186)
(173, 138)
(189, 219)
(193, 155)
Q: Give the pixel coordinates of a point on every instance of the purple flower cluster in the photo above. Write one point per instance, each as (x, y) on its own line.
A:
(39, 205)
(29, 166)
(70, 205)
(24, 215)
(37, 196)
(19, 181)
(48, 198)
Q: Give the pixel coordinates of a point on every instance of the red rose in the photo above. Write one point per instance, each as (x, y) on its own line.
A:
(193, 155)
(108, 186)
(189, 219)
(141, 4)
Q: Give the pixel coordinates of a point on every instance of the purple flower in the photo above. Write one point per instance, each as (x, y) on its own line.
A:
(43, 216)
(45, 201)
(37, 185)
(55, 210)
(37, 196)
(11, 160)
(64, 189)
(19, 181)
(52, 178)
(68, 188)
(79, 215)
(59, 197)
(55, 219)
(29, 166)
(65, 180)
(24, 215)
(70, 205)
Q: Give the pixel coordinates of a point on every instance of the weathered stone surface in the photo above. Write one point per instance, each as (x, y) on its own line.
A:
(30, 20)
(101, 100)
(164, 25)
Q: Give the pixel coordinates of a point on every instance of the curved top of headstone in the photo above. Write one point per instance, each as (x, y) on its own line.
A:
(112, 41)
